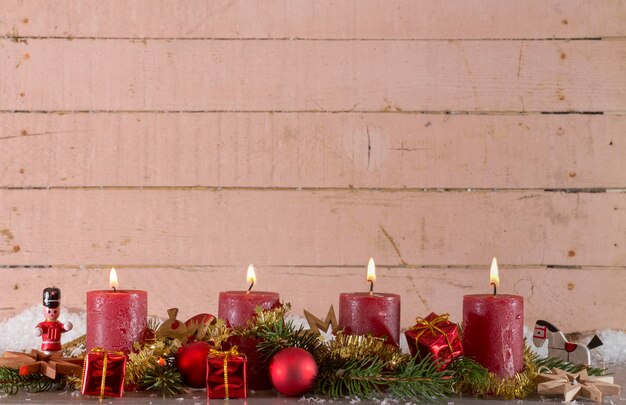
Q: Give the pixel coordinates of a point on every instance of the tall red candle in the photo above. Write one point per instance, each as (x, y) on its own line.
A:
(372, 313)
(238, 307)
(116, 318)
(493, 330)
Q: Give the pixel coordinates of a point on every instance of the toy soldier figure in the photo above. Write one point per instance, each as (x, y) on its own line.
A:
(51, 329)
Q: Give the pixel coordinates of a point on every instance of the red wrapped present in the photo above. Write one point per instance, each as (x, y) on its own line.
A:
(257, 370)
(103, 373)
(437, 336)
(226, 375)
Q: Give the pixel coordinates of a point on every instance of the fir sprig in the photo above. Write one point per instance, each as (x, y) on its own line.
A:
(552, 362)
(355, 378)
(163, 377)
(11, 382)
(417, 380)
(145, 357)
(282, 334)
(473, 379)
(421, 380)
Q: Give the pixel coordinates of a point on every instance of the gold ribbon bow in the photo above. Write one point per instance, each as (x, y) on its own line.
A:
(232, 352)
(104, 367)
(423, 325)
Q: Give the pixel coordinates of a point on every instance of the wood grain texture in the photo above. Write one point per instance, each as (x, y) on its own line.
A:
(182, 140)
(569, 297)
(326, 228)
(323, 19)
(476, 76)
(312, 150)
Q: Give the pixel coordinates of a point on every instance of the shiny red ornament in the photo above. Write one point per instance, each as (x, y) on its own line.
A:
(191, 362)
(293, 371)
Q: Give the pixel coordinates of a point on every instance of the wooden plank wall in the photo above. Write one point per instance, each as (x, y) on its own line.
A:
(182, 140)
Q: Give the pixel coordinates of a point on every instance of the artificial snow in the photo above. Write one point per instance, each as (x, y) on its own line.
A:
(614, 348)
(18, 333)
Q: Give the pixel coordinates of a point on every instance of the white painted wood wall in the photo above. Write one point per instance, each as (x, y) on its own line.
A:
(182, 140)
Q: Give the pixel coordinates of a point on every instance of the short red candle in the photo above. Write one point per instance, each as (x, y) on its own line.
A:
(376, 314)
(238, 307)
(493, 332)
(116, 319)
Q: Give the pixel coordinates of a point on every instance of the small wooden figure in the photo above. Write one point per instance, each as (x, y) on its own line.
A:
(172, 328)
(559, 347)
(51, 329)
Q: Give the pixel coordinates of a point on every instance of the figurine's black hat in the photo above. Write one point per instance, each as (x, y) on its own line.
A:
(51, 297)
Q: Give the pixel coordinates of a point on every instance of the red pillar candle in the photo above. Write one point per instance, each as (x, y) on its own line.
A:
(116, 319)
(372, 313)
(493, 330)
(238, 307)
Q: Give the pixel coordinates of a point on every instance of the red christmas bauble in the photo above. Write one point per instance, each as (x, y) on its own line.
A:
(191, 362)
(293, 371)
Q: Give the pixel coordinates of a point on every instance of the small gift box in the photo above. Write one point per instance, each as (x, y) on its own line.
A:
(437, 336)
(226, 375)
(103, 373)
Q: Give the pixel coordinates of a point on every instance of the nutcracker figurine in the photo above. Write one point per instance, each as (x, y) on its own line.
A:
(50, 330)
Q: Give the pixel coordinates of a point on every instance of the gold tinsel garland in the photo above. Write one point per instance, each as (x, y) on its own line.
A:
(146, 356)
(355, 347)
(486, 384)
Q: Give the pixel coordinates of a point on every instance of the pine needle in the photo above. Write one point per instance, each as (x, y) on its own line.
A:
(282, 334)
(163, 378)
(11, 382)
(551, 362)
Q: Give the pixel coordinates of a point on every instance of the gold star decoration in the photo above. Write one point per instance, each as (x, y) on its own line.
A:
(318, 326)
(574, 385)
(49, 365)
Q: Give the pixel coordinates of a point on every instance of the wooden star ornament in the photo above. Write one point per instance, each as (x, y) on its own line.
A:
(574, 385)
(318, 326)
(50, 365)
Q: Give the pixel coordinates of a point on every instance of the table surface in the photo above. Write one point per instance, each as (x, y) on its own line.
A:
(272, 398)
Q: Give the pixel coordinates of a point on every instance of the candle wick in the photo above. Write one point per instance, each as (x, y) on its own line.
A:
(114, 289)
(250, 288)
(371, 286)
(494, 288)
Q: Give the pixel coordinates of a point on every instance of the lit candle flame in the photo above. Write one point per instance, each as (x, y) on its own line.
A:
(251, 277)
(371, 274)
(113, 283)
(494, 280)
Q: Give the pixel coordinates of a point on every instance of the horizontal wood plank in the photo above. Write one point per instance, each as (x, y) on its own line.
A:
(320, 19)
(476, 76)
(312, 150)
(567, 297)
(326, 228)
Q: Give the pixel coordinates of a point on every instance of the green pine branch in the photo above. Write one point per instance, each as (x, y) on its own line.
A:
(11, 382)
(417, 380)
(355, 378)
(282, 334)
(165, 379)
(421, 380)
(551, 362)
(469, 376)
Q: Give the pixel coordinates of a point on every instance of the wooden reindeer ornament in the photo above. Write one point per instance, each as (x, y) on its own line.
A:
(559, 347)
